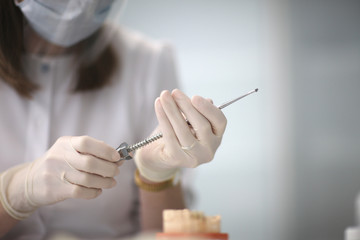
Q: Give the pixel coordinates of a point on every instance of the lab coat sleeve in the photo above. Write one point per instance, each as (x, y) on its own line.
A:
(164, 77)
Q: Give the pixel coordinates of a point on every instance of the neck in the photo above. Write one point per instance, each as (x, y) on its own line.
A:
(35, 44)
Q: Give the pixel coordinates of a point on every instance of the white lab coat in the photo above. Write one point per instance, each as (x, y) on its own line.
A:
(122, 111)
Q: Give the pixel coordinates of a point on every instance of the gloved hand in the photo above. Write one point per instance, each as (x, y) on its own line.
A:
(74, 167)
(182, 145)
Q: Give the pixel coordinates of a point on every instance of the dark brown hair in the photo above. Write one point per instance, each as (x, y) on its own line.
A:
(90, 76)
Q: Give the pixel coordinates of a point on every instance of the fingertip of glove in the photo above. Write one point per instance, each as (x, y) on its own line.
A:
(98, 192)
(117, 172)
(113, 184)
(119, 163)
(115, 156)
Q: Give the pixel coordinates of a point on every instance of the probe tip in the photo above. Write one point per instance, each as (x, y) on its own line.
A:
(256, 89)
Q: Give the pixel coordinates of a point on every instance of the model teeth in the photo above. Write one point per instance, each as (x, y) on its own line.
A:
(186, 221)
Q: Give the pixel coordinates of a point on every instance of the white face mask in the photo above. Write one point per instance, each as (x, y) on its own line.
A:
(65, 22)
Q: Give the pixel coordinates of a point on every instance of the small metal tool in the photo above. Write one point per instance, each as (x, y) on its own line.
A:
(126, 151)
(236, 99)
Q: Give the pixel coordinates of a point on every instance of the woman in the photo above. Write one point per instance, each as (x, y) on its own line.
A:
(72, 88)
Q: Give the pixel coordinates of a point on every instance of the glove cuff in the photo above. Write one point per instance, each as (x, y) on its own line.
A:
(154, 175)
(5, 180)
(27, 183)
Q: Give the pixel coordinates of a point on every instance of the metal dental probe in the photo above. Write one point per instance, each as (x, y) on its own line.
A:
(125, 149)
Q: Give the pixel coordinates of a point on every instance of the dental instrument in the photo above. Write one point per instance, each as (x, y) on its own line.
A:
(125, 150)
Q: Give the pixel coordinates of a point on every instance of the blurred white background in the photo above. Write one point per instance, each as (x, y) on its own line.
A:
(288, 166)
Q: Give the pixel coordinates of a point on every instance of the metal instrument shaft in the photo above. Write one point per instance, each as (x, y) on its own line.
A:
(224, 105)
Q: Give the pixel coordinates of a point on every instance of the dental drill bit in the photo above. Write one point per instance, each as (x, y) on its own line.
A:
(126, 151)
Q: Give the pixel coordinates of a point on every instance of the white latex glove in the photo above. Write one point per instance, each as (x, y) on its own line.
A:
(181, 145)
(74, 167)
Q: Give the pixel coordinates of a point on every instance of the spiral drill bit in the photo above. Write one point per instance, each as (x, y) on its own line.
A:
(125, 150)
(144, 142)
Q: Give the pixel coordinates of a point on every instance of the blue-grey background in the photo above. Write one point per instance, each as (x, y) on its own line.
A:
(289, 164)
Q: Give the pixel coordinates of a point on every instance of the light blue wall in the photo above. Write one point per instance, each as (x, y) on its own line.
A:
(288, 167)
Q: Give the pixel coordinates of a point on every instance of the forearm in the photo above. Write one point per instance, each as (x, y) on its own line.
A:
(153, 203)
(6, 221)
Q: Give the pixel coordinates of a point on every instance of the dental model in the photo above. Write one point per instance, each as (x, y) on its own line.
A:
(186, 224)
